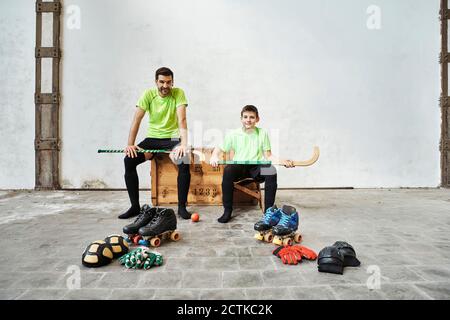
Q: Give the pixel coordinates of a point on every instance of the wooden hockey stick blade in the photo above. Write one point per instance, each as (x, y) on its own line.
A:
(311, 161)
(306, 163)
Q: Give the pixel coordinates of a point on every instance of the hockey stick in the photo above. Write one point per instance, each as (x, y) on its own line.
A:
(305, 163)
(137, 150)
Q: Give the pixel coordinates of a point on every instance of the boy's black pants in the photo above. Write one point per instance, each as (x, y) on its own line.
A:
(261, 173)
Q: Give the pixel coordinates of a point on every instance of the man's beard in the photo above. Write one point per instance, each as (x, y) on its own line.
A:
(164, 91)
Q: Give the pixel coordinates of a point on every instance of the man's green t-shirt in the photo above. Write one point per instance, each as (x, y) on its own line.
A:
(247, 146)
(163, 120)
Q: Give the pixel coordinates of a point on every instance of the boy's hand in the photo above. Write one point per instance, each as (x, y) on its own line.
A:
(288, 163)
(214, 161)
(131, 151)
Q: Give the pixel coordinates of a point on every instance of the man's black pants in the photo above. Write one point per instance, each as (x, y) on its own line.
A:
(131, 177)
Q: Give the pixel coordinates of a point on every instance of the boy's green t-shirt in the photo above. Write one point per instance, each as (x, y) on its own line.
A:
(163, 120)
(247, 146)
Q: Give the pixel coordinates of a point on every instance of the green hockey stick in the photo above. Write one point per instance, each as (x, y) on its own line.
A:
(138, 151)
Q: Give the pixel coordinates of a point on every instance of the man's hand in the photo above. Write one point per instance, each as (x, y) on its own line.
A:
(288, 163)
(179, 152)
(131, 152)
(214, 161)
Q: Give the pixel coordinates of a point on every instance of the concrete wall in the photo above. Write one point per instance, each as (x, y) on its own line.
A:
(319, 75)
(17, 41)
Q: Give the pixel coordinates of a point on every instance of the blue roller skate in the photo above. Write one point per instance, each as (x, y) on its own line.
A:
(264, 226)
(285, 231)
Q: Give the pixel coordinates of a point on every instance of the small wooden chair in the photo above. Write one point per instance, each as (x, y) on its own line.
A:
(255, 192)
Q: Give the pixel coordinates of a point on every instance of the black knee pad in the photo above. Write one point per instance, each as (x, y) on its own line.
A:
(331, 260)
(349, 253)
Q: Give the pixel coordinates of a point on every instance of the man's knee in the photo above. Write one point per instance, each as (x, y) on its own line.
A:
(131, 163)
(128, 162)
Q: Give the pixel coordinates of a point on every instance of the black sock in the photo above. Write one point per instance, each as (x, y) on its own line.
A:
(226, 216)
(132, 212)
(182, 212)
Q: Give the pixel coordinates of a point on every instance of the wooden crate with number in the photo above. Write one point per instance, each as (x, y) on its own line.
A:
(206, 181)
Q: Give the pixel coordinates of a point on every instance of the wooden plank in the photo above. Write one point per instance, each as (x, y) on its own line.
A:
(154, 178)
(201, 195)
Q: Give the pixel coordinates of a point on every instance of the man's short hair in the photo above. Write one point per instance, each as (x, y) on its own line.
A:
(250, 108)
(163, 72)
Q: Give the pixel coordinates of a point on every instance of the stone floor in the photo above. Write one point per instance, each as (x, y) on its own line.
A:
(400, 236)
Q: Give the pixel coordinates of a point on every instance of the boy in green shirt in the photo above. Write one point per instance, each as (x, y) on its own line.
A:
(248, 143)
(167, 130)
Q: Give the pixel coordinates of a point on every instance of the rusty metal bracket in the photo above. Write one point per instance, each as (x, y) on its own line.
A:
(444, 14)
(48, 6)
(47, 144)
(46, 98)
(47, 52)
(444, 57)
(444, 145)
(444, 101)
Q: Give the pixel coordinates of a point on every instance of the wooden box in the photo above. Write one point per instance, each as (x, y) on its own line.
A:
(206, 181)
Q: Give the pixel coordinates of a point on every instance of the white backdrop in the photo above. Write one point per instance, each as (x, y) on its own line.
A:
(360, 79)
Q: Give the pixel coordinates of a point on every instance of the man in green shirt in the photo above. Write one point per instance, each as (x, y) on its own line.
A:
(248, 143)
(167, 130)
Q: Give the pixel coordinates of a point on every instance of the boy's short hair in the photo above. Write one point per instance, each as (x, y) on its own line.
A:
(163, 72)
(250, 108)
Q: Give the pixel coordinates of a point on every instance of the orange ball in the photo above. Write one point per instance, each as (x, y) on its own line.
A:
(195, 217)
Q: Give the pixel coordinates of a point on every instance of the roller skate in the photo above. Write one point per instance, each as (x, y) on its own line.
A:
(163, 225)
(144, 217)
(264, 226)
(285, 231)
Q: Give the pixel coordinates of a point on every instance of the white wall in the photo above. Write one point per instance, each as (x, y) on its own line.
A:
(368, 98)
(17, 41)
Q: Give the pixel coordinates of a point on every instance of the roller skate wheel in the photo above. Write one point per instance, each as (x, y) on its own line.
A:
(287, 242)
(175, 236)
(277, 241)
(136, 239)
(259, 236)
(298, 238)
(268, 237)
(155, 242)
